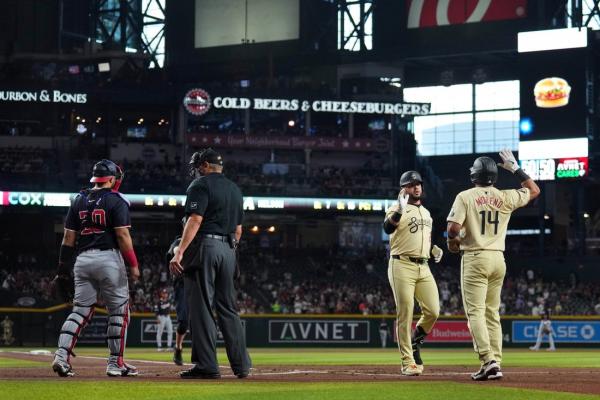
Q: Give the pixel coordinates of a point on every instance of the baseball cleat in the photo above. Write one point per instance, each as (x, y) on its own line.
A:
(411, 370)
(534, 348)
(177, 358)
(62, 368)
(125, 370)
(421, 368)
(490, 370)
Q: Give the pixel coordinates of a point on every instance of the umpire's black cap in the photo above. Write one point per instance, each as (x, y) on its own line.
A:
(208, 155)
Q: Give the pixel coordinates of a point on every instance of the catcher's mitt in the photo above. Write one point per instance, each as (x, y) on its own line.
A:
(63, 287)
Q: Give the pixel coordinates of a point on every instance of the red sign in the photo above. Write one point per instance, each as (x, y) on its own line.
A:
(196, 102)
(428, 13)
(447, 332)
(287, 142)
(572, 167)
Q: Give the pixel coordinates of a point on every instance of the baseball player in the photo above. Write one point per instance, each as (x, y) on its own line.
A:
(477, 228)
(383, 333)
(163, 319)
(180, 305)
(97, 246)
(409, 225)
(545, 329)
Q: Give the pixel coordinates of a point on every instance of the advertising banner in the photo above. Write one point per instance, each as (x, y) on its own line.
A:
(148, 329)
(446, 332)
(288, 142)
(95, 331)
(318, 331)
(431, 13)
(564, 331)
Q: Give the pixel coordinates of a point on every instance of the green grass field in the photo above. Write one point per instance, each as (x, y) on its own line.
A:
(131, 389)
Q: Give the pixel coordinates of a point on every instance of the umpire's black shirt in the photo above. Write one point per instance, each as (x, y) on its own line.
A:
(218, 200)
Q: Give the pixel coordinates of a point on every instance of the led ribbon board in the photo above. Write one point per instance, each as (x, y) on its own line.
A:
(165, 201)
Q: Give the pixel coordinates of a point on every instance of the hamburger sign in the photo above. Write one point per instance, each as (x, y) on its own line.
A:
(551, 93)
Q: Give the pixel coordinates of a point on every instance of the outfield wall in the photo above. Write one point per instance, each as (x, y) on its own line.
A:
(40, 327)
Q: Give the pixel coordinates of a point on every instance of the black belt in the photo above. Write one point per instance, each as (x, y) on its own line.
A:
(222, 238)
(413, 259)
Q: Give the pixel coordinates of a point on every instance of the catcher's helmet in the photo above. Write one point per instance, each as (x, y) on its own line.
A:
(208, 155)
(410, 177)
(104, 170)
(484, 171)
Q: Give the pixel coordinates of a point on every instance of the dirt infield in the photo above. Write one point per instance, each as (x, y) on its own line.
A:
(576, 380)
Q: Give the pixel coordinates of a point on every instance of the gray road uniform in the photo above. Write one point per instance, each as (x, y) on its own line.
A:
(209, 268)
(99, 270)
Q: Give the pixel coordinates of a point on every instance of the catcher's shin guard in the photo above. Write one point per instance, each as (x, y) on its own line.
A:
(116, 335)
(69, 333)
(417, 340)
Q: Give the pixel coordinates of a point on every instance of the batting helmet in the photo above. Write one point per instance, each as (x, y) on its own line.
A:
(484, 171)
(104, 170)
(410, 177)
(208, 155)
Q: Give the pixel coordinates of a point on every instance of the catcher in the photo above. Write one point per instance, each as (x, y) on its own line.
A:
(96, 247)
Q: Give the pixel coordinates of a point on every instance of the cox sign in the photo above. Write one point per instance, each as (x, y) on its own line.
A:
(564, 331)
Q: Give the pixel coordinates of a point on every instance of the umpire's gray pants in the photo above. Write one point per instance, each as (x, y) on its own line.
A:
(208, 286)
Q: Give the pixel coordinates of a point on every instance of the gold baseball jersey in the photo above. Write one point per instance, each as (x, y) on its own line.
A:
(412, 236)
(484, 213)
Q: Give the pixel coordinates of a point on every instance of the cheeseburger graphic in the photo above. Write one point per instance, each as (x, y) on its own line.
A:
(551, 92)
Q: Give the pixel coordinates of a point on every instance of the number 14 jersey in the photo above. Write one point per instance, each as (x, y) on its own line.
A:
(484, 213)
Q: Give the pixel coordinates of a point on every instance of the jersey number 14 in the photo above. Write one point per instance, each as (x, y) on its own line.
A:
(486, 219)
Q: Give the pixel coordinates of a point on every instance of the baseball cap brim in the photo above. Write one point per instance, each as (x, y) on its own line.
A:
(101, 179)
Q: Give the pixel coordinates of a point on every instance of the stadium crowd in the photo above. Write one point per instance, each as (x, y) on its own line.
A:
(314, 281)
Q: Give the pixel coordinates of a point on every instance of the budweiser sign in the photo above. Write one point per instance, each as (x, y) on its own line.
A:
(447, 332)
(428, 13)
(287, 142)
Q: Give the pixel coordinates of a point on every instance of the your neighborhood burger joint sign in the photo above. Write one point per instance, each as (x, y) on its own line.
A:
(197, 99)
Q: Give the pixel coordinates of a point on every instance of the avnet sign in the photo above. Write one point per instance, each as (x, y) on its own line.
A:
(318, 331)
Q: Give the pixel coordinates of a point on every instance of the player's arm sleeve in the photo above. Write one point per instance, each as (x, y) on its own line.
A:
(388, 226)
(120, 217)
(197, 199)
(73, 222)
(458, 212)
(516, 198)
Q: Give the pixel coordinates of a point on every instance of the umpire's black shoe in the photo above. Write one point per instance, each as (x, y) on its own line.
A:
(177, 358)
(488, 371)
(242, 375)
(196, 373)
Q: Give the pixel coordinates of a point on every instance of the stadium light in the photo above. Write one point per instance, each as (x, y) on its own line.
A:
(526, 126)
(552, 39)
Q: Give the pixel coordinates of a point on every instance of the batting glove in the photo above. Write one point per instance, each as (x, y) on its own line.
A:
(437, 253)
(402, 201)
(509, 162)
